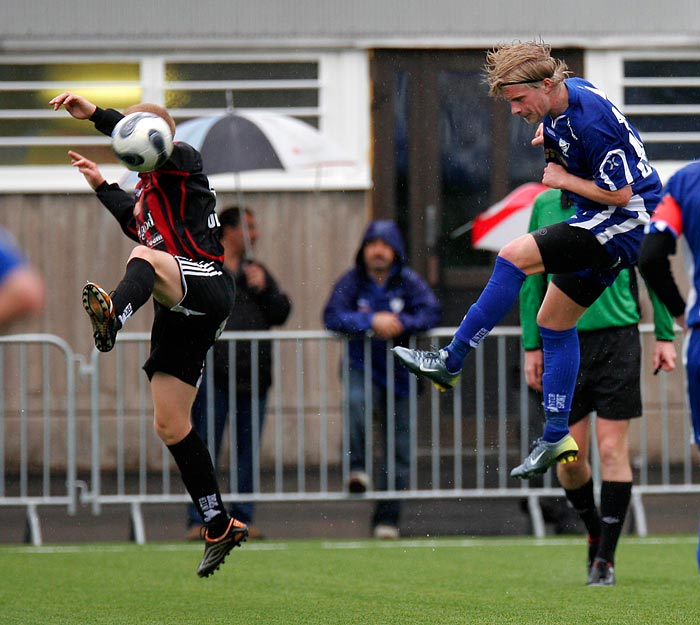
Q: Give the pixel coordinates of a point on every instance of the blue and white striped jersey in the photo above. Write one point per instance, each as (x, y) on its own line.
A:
(594, 141)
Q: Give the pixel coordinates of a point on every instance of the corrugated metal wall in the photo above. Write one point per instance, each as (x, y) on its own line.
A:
(331, 23)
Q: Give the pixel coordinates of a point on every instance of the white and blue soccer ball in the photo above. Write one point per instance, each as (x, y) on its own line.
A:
(142, 141)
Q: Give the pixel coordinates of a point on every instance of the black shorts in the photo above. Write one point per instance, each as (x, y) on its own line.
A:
(580, 266)
(609, 376)
(182, 335)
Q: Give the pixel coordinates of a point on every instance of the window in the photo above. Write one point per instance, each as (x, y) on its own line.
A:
(659, 92)
(329, 91)
(206, 88)
(31, 133)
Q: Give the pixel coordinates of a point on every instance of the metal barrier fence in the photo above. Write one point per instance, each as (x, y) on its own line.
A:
(78, 431)
(37, 373)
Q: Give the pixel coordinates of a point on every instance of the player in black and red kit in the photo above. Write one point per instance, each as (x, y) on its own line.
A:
(178, 262)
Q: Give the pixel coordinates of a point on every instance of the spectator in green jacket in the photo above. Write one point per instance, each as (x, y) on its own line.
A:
(608, 384)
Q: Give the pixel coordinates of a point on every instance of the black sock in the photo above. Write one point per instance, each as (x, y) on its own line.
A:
(614, 501)
(134, 290)
(583, 501)
(197, 471)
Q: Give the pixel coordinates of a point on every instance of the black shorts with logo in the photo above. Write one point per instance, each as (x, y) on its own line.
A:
(182, 335)
(609, 376)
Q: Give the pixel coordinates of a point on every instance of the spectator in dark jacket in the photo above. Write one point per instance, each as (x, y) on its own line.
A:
(259, 305)
(381, 299)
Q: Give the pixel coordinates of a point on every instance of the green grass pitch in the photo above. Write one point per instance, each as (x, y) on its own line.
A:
(519, 581)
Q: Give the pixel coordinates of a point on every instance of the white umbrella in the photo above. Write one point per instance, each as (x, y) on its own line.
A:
(239, 141)
(505, 220)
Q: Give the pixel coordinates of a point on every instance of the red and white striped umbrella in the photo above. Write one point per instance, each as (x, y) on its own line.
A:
(507, 219)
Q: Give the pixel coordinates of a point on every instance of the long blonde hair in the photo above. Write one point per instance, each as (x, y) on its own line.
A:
(522, 63)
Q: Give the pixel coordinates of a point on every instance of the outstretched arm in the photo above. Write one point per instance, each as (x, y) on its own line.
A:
(76, 105)
(116, 200)
(104, 119)
(88, 168)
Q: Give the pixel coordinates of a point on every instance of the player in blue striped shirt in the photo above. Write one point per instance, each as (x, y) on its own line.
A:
(597, 158)
(677, 218)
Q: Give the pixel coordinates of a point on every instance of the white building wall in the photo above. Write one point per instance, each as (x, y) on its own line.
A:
(168, 24)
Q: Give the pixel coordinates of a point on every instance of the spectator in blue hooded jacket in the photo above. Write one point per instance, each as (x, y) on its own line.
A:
(380, 298)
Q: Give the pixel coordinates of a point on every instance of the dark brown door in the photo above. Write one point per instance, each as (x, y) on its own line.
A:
(444, 152)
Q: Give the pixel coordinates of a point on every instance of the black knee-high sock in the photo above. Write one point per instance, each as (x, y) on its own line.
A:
(197, 471)
(583, 501)
(614, 501)
(134, 290)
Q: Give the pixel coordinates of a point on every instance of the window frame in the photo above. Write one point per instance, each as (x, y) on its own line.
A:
(342, 110)
(605, 69)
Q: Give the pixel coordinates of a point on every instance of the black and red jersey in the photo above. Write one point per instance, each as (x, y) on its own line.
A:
(173, 209)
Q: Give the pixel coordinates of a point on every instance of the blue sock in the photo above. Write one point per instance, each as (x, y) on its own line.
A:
(556, 426)
(456, 353)
(561, 362)
(495, 301)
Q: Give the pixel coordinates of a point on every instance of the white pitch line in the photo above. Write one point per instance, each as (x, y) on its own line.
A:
(51, 549)
(494, 542)
(444, 543)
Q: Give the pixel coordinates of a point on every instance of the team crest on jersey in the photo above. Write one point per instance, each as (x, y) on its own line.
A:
(612, 163)
(564, 147)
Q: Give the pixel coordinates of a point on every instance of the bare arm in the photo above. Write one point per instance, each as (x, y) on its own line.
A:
(386, 325)
(534, 367)
(557, 177)
(255, 276)
(76, 105)
(664, 357)
(88, 168)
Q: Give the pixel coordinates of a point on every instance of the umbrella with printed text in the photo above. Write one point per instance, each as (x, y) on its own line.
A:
(504, 221)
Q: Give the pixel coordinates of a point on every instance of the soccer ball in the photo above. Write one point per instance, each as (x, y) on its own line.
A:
(142, 141)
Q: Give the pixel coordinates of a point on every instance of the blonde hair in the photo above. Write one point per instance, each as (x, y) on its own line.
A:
(522, 63)
(156, 109)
